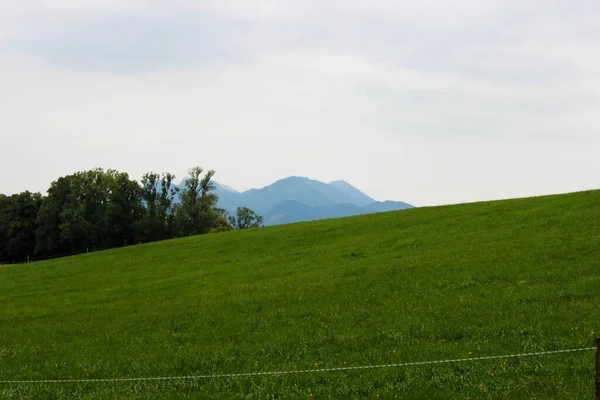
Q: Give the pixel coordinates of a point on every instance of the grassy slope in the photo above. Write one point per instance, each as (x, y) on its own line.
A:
(423, 284)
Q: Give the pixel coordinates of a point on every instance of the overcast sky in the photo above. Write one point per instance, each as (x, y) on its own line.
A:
(425, 101)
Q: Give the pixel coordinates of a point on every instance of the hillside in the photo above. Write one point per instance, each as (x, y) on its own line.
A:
(424, 284)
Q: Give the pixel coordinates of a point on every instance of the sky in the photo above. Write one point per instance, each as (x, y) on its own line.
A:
(430, 102)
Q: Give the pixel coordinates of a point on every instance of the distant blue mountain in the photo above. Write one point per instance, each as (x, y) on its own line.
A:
(302, 190)
(384, 206)
(229, 199)
(353, 194)
(289, 211)
(296, 199)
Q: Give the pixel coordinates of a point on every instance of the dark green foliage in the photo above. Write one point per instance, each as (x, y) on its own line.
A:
(100, 210)
(84, 222)
(166, 212)
(4, 206)
(158, 220)
(18, 224)
(245, 218)
(221, 225)
(149, 228)
(124, 208)
(49, 239)
(425, 284)
(97, 209)
(197, 213)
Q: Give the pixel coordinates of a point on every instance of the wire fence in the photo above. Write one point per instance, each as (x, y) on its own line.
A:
(300, 371)
(29, 259)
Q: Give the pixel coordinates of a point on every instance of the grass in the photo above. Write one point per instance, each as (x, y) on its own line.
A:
(424, 284)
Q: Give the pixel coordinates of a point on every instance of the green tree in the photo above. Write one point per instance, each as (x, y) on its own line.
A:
(124, 208)
(221, 224)
(198, 212)
(100, 210)
(49, 240)
(166, 211)
(4, 203)
(158, 194)
(84, 217)
(150, 182)
(18, 214)
(245, 218)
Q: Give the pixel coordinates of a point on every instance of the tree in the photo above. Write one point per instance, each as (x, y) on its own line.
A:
(166, 211)
(245, 218)
(4, 204)
(93, 209)
(49, 240)
(150, 192)
(84, 217)
(18, 215)
(159, 216)
(198, 212)
(99, 209)
(124, 208)
(221, 225)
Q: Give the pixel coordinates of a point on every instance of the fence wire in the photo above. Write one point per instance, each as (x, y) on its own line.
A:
(290, 372)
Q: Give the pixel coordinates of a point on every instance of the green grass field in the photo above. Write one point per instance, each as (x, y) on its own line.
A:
(425, 284)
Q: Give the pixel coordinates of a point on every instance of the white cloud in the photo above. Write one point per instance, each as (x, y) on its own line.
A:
(451, 106)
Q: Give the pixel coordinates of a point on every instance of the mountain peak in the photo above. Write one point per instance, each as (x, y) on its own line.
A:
(298, 198)
(225, 187)
(342, 184)
(294, 178)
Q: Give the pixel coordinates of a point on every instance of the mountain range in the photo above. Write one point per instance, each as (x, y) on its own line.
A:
(296, 199)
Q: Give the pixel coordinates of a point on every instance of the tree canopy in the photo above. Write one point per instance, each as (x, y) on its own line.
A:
(245, 218)
(99, 209)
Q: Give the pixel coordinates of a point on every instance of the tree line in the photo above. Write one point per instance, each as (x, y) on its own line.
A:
(98, 209)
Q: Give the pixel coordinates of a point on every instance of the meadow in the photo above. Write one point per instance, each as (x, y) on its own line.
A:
(434, 283)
